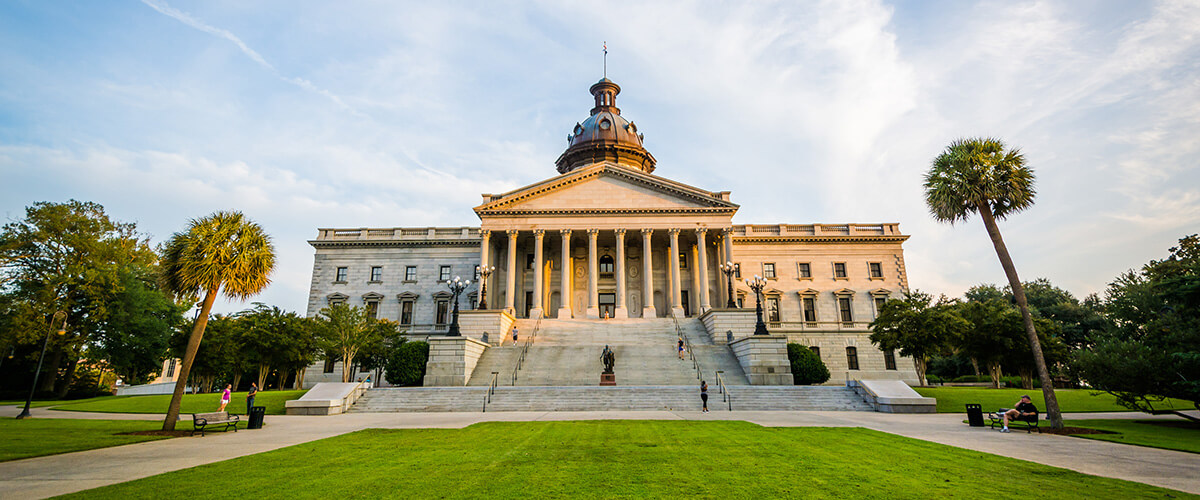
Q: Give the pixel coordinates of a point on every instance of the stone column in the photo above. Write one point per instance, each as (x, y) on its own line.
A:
(702, 269)
(593, 310)
(510, 294)
(727, 234)
(722, 291)
(673, 258)
(647, 276)
(564, 306)
(485, 247)
(621, 311)
(538, 290)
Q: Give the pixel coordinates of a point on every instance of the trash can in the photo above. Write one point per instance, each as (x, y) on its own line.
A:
(975, 415)
(256, 417)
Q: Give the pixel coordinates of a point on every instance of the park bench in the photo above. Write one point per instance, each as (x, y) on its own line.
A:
(201, 421)
(1031, 422)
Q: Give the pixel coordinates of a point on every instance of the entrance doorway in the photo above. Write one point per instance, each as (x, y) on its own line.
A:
(608, 305)
(528, 303)
(687, 308)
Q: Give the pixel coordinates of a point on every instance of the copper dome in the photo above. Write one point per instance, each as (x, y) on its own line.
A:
(605, 135)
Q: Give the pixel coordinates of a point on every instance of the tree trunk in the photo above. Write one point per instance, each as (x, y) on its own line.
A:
(189, 355)
(282, 379)
(50, 371)
(1026, 379)
(208, 381)
(994, 372)
(300, 378)
(237, 379)
(919, 364)
(1039, 360)
(264, 369)
(348, 364)
(65, 387)
(975, 365)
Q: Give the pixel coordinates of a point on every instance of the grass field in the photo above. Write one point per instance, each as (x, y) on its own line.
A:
(1180, 434)
(624, 459)
(49, 436)
(192, 403)
(954, 399)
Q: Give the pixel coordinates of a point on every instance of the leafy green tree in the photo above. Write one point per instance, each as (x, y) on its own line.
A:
(995, 329)
(348, 330)
(1075, 320)
(917, 327)
(134, 337)
(1151, 349)
(223, 252)
(982, 176)
(807, 367)
(406, 363)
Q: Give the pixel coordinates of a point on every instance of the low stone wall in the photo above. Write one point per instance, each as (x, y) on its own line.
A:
(893, 396)
(496, 322)
(327, 398)
(764, 359)
(452, 360)
(718, 322)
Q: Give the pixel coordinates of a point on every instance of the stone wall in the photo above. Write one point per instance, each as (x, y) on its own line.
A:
(871, 363)
(719, 321)
(764, 359)
(496, 322)
(452, 360)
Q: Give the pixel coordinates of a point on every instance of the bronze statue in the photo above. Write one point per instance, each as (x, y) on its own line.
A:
(609, 358)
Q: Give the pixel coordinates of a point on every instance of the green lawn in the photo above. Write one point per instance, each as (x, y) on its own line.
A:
(192, 403)
(50, 436)
(625, 459)
(954, 399)
(1171, 434)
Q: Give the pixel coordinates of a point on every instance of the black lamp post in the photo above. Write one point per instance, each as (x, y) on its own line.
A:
(62, 330)
(729, 268)
(457, 285)
(484, 273)
(757, 285)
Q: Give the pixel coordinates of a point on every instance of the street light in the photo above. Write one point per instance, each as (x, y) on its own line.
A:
(484, 273)
(729, 268)
(457, 285)
(756, 284)
(61, 331)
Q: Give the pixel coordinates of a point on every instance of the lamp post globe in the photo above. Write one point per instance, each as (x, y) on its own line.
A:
(456, 285)
(484, 273)
(757, 284)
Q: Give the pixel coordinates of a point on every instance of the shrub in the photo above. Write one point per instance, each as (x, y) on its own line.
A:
(807, 367)
(933, 379)
(406, 363)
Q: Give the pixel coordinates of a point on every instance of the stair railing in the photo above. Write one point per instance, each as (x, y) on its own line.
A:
(725, 395)
(491, 390)
(687, 344)
(525, 351)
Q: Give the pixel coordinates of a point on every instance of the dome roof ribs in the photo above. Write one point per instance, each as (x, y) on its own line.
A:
(605, 136)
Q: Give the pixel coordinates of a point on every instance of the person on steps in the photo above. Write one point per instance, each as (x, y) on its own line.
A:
(514, 334)
(680, 347)
(704, 395)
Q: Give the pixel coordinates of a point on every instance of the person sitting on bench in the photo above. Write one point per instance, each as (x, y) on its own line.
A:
(1024, 411)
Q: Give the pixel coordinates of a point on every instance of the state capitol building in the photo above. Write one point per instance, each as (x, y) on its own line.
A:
(608, 238)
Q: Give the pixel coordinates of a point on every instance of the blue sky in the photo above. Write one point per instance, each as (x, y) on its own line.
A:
(351, 114)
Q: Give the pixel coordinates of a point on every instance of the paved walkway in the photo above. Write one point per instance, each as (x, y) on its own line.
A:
(59, 474)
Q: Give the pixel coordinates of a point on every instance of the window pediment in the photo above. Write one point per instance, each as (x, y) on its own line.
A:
(403, 296)
(845, 292)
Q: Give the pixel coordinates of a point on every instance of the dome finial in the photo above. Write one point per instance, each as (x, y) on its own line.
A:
(606, 59)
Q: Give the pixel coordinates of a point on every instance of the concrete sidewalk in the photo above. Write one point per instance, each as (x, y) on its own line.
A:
(59, 474)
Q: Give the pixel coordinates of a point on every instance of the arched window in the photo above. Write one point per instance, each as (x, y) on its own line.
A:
(606, 264)
(852, 358)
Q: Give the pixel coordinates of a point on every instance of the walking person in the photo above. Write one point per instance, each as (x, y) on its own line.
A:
(704, 395)
(680, 347)
(514, 334)
(250, 396)
(225, 397)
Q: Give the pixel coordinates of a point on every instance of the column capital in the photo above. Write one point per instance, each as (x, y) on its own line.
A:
(564, 232)
(513, 232)
(647, 232)
(539, 232)
(593, 232)
(727, 231)
(620, 231)
(673, 231)
(485, 232)
(701, 231)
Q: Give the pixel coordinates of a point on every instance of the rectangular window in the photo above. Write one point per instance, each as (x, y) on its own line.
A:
(804, 270)
(376, 274)
(683, 258)
(441, 312)
(879, 304)
(406, 312)
(773, 309)
(444, 273)
(739, 302)
(889, 359)
(528, 262)
(340, 277)
(852, 358)
(839, 270)
(737, 271)
(474, 303)
(876, 269)
(810, 311)
(816, 350)
(373, 309)
(844, 306)
(171, 368)
(769, 270)
(410, 273)
(476, 275)
(329, 362)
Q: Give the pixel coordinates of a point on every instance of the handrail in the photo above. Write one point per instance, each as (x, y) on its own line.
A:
(687, 343)
(725, 395)
(525, 351)
(491, 390)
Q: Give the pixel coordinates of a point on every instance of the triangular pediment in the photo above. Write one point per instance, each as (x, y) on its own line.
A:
(607, 187)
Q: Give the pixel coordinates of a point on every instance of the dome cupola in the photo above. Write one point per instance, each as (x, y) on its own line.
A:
(605, 136)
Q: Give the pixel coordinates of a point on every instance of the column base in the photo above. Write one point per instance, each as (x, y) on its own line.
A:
(621, 313)
(678, 312)
(649, 312)
(564, 313)
(593, 313)
(535, 313)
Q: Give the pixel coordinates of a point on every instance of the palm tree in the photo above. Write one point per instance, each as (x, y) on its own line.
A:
(226, 252)
(980, 175)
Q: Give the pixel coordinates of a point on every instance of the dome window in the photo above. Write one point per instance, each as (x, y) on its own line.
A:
(578, 129)
(605, 124)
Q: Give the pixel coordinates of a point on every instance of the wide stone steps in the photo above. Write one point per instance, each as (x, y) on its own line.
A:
(595, 398)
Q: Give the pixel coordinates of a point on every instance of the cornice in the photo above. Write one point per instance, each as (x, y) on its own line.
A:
(607, 211)
(821, 239)
(576, 176)
(394, 243)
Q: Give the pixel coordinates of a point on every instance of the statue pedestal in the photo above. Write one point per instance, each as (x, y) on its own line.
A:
(608, 379)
